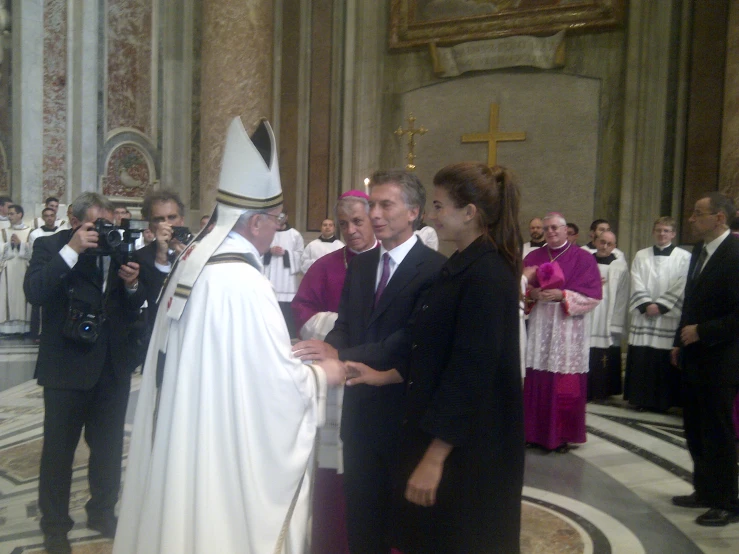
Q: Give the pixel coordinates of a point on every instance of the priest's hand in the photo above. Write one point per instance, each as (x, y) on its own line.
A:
(689, 334)
(361, 374)
(277, 250)
(653, 310)
(335, 372)
(674, 353)
(83, 238)
(535, 294)
(551, 295)
(315, 350)
(530, 272)
(129, 273)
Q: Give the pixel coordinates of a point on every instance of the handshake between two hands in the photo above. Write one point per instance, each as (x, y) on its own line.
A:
(338, 372)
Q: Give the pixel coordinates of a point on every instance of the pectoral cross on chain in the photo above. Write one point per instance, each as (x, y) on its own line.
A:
(493, 136)
(411, 131)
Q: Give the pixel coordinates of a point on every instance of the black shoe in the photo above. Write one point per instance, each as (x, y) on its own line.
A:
(105, 525)
(716, 517)
(57, 543)
(562, 448)
(689, 501)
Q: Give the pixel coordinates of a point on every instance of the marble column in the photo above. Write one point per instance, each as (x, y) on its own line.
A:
(647, 140)
(28, 86)
(729, 172)
(82, 100)
(236, 77)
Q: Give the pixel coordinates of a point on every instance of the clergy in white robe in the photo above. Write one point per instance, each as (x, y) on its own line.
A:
(5, 203)
(282, 268)
(225, 425)
(607, 321)
(427, 235)
(536, 231)
(658, 276)
(15, 311)
(596, 228)
(324, 244)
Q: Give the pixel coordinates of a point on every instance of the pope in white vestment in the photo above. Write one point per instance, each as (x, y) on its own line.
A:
(221, 461)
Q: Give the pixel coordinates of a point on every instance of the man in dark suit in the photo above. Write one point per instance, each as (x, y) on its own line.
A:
(383, 290)
(163, 209)
(707, 351)
(86, 380)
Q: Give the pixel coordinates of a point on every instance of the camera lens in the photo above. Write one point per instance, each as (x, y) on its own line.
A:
(113, 238)
(88, 331)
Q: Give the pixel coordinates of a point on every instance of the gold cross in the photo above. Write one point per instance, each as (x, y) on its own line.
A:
(411, 132)
(605, 361)
(493, 136)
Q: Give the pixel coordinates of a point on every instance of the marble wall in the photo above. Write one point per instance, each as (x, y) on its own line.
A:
(55, 99)
(131, 111)
(557, 163)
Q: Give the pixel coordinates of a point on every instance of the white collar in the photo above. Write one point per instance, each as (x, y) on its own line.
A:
(367, 250)
(399, 253)
(558, 247)
(235, 242)
(20, 226)
(715, 243)
(661, 248)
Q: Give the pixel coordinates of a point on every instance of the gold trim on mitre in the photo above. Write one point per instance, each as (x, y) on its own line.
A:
(237, 201)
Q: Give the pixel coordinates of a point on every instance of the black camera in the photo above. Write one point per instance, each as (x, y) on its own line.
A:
(109, 238)
(81, 326)
(115, 241)
(182, 234)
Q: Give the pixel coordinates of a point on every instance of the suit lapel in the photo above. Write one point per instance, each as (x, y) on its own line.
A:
(715, 261)
(403, 275)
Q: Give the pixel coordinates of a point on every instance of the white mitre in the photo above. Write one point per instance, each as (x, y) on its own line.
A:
(249, 180)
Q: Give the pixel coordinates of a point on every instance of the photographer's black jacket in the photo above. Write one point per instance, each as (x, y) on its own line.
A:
(64, 363)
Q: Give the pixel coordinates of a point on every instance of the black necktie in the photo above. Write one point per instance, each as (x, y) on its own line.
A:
(701, 260)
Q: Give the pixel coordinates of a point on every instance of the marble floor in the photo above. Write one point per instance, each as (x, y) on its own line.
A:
(610, 495)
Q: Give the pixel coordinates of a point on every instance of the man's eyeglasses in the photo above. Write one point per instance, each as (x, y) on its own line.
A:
(553, 227)
(698, 213)
(281, 217)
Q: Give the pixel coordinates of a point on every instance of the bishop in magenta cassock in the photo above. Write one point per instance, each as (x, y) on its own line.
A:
(557, 355)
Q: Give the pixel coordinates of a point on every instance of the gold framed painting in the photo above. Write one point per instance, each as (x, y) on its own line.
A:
(416, 23)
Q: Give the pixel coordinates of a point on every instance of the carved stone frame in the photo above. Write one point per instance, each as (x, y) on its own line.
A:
(408, 31)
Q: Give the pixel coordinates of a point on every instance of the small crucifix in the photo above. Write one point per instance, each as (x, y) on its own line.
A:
(411, 131)
(493, 136)
(605, 361)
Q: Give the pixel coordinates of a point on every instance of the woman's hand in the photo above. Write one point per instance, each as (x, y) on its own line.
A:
(424, 482)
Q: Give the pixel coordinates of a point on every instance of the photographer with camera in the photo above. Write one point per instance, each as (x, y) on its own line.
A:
(90, 297)
(165, 212)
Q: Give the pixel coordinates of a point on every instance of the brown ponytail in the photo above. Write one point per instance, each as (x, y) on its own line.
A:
(493, 191)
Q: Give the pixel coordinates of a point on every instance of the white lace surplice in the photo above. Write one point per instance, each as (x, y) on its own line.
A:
(559, 339)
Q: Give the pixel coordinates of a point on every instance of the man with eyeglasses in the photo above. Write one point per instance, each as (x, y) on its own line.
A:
(282, 267)
(596, 228)
(706, 349)
(558, 350)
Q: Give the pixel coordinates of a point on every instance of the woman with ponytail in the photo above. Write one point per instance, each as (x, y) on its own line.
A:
(458, 489)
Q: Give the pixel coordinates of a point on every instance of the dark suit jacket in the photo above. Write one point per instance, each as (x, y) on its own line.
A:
(63, 363)
(150, 277)
(712, 302)
(379, 337)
